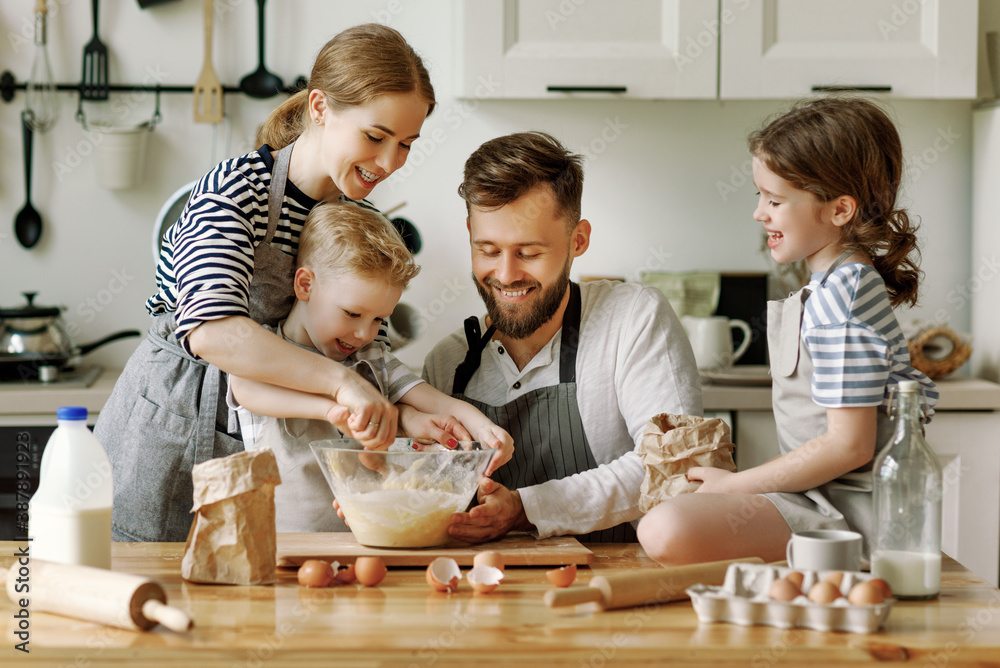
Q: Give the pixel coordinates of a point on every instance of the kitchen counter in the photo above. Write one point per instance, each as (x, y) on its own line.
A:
(402, 622)
(957, 394)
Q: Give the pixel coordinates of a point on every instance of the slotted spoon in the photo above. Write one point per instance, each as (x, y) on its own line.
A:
(208, 89)
(94, 85)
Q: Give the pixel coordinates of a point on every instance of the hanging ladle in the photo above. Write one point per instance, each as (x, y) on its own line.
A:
(261, 83)
(28, 222)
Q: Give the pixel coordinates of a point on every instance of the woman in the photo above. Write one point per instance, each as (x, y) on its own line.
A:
(226, 268)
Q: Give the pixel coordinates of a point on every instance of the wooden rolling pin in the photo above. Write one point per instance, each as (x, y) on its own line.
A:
(646, 587)
(93, 594)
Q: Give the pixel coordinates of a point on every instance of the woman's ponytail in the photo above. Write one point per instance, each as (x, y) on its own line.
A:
(286, 123)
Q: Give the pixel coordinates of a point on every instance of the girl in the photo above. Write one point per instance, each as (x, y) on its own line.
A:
(828, 173)
(226, 268)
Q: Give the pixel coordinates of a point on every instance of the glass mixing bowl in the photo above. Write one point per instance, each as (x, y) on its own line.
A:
(401, 497)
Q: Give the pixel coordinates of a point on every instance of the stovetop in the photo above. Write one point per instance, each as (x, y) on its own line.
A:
(78, 377)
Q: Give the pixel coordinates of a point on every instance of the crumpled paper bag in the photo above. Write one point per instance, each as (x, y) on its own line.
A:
(672, 444)
(232, 539)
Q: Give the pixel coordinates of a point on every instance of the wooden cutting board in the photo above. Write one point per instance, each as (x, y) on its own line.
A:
(517, 550)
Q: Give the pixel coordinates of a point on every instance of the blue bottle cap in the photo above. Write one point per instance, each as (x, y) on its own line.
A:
(71, 413)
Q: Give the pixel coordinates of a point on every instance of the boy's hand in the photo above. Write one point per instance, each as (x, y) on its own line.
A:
(494, 437)
(428, 428)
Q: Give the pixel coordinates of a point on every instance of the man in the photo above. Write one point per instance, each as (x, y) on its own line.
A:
(572, 372)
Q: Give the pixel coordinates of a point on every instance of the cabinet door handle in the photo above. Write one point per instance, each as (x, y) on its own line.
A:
(587, 89)
(848, 89)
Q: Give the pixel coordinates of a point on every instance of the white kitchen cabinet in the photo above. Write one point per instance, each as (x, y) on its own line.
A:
(550, 49)
(794, 48)
(962, 433)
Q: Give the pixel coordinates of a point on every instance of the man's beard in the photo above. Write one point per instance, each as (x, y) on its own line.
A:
(519, 321)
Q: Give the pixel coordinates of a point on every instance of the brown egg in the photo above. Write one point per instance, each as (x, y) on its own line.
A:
(483, 578)
(369, 570)
(443, 574)
(835, 578)
(562, 577)
(883, 585)
(796, 579)
(346, 575)
(315, 573)
(865, 593)
(783, 590)
(824, 593)
(489, 558)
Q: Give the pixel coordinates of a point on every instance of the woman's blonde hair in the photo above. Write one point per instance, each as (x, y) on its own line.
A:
(345, 238)
(356, 66)
(837, 146)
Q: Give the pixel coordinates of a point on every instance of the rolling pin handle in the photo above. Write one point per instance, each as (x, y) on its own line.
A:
(173, 618)
(555, 598)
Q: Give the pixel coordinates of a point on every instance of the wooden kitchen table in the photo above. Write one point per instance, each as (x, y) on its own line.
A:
(403, 623)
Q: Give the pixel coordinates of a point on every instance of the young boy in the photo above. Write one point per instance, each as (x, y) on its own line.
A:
(352, 268)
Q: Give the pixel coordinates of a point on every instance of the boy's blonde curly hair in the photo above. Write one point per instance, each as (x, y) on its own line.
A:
(346, 238)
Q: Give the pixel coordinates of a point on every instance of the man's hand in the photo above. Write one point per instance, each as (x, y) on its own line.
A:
(499, 512)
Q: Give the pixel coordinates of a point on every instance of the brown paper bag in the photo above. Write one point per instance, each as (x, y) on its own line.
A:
(672, 444)
(232, 539)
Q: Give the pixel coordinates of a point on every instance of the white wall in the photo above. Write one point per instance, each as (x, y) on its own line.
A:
(666, 186)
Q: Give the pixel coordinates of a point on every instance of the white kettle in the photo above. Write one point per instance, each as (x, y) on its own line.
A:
(712, 340)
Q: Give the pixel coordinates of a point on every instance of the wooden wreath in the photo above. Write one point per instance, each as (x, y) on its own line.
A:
(933, 357)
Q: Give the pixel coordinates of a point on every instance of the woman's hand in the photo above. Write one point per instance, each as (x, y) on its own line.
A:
(443, 429)
(713, 480)
(492, 436)
(371, 420)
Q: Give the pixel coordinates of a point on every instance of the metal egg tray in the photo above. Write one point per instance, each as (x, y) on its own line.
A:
(743, 599)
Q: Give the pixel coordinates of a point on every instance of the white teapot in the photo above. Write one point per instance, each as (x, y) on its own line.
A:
(712, 340)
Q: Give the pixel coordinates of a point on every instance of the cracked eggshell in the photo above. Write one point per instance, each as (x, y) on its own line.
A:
(443, 574)
(483, 578)
(346, 575)
(489, 558)
(562, 577)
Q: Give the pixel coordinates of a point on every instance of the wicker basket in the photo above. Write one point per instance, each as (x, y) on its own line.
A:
(938, 352)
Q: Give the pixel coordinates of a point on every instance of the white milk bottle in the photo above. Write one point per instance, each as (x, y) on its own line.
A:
(69, 516)
(907, 505)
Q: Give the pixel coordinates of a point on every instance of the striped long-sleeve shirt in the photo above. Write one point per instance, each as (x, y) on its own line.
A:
(207, 256)
(858, 350)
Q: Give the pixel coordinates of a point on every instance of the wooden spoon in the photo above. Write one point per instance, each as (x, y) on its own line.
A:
(208, 89)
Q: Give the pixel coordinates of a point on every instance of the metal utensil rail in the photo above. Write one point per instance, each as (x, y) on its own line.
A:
(9, 86)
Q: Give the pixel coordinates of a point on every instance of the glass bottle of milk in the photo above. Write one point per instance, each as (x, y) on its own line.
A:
(69, 516)
(906, 550)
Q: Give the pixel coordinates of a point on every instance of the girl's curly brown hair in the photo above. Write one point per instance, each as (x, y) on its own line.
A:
(836, 146)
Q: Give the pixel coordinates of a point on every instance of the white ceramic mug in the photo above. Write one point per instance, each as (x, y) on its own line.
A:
(712, 340)
(825, 550)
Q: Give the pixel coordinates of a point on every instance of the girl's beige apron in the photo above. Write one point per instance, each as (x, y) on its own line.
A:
(549, 441)
(168, 411)
(846, 502)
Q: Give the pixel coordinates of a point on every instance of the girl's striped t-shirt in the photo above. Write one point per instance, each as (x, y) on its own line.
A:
(207, 257)
(858, 349)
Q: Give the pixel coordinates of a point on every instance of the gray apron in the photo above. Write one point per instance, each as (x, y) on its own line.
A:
(304, 501)
(168, 411)
(549, 441)
(846, 502)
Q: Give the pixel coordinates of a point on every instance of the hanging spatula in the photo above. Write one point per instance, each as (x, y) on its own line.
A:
(208, 89)
(94, 85)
